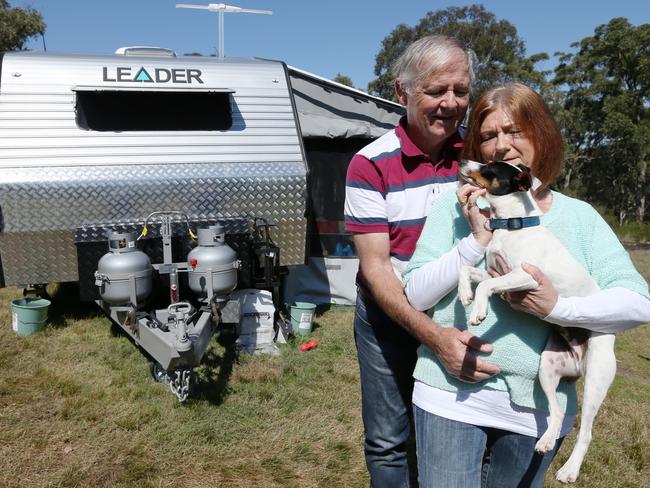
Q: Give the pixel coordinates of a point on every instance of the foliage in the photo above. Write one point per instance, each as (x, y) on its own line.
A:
(633, 231)
(629, 232)
(344, 80)
(498, 47)
(18, 25)
(606, 117)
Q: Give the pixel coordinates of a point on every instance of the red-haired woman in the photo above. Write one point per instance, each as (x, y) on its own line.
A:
(471, 435)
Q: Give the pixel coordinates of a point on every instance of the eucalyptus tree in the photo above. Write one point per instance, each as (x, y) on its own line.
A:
(501, 53)
(344, 80)
(18, 25)
(606, 116)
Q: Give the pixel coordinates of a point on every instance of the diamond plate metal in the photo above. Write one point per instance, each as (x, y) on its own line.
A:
(98, 232)
(36, 257)
(43, 210)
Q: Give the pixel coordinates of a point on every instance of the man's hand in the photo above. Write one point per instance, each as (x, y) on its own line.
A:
(452, 346)
(455, 349)
(539, 302)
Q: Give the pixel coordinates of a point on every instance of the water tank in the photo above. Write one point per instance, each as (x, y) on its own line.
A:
(115, 269)
(212, 258)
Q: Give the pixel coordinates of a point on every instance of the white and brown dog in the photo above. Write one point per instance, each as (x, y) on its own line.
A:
(518, 238)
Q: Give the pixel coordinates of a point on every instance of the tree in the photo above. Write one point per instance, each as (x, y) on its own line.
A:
(606, 119)
(18, 25)
(344, 80)
(499, 50)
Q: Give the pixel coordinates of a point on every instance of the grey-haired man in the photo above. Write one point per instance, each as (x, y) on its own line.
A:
(390, 186)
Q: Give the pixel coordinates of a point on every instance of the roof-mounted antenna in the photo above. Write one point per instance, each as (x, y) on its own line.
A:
(221, 8)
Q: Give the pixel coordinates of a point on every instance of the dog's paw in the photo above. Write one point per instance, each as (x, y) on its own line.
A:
(568, 473)
(545, 444)
(476, 318)
(479, 310)
(465, 294)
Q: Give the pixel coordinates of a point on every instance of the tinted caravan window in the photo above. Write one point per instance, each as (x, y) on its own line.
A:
(122, 110)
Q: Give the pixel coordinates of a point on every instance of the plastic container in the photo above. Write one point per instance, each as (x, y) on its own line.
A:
(29, 315)
(302, 317)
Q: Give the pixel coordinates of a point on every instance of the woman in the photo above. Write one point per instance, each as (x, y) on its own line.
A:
(472, 435)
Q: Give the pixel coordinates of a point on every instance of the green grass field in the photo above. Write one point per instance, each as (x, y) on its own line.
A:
(78, 408)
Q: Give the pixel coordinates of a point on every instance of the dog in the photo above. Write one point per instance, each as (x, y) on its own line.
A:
(518, 238)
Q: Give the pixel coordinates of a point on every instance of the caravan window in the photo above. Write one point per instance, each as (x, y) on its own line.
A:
(132, 110)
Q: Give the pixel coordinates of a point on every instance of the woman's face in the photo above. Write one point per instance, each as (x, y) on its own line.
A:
(503, 140)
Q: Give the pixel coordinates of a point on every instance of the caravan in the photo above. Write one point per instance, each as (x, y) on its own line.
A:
(93, 146)
(95, 142)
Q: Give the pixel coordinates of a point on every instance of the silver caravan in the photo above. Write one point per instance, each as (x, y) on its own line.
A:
(91, 143)
(95, 150)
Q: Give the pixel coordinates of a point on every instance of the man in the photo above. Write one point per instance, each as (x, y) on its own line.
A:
(391, 184)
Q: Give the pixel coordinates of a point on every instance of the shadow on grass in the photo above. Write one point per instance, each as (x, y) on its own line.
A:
(212, 384)
(65, 305)
(211, 376)
(216, 369)
(315, 325)
(331, 307)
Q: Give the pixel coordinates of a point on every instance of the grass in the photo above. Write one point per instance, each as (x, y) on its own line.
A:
(631, 231)
(78, 408)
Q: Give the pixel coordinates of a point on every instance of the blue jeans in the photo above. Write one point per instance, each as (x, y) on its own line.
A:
(458, 455)
(387, 355)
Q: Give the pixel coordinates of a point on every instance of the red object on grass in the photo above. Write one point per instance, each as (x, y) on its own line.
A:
(307, 346)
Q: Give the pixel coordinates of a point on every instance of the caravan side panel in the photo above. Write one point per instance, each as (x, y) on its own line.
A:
(56, 177)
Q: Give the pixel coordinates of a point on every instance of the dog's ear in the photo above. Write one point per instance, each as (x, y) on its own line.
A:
(522, 181)
(523, 167)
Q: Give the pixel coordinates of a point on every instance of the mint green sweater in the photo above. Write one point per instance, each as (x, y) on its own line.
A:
(519, 338)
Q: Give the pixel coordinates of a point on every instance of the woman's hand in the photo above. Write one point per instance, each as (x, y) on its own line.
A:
(538, 302)
(477, 220)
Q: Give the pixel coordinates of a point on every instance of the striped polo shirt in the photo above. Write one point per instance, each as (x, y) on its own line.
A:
(391, 185)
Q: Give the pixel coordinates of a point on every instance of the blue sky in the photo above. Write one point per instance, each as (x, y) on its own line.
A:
(324, 37)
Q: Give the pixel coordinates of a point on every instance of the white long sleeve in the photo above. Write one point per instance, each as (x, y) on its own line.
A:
(609, 310)
(428, 284)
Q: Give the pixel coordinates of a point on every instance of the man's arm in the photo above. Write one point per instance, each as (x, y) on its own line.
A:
(451, 346)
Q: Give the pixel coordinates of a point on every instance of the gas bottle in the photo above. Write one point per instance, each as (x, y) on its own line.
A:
(115, 268)
(212, 259)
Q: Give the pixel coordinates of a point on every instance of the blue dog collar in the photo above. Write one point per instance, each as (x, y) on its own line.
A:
(515, 223)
